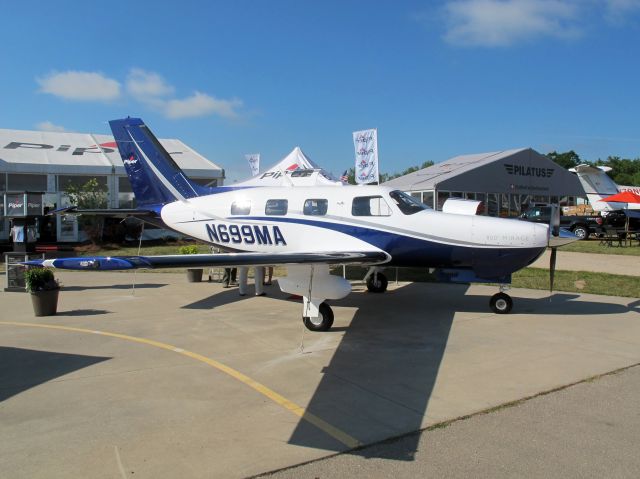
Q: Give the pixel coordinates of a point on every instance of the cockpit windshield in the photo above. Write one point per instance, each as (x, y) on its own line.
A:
(407, 203)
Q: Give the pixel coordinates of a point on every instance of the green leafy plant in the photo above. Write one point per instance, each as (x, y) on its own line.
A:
(188, 249)
(90, 195)
(40, 279)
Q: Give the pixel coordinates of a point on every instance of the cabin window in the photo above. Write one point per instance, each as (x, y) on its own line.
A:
(276, 207)
(370, 206)
(315, 207)
(241, 207)
(407, 204)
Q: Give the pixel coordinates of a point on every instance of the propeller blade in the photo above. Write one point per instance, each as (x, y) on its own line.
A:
(552, 268)
(555, 221)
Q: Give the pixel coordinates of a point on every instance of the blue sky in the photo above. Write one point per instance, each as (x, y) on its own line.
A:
(437, 78)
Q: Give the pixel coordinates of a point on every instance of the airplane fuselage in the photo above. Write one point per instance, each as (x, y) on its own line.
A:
(356, 218)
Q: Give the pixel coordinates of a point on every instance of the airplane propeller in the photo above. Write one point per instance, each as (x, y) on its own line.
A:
(554, 231)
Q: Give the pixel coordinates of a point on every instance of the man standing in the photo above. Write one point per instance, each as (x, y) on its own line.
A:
(229, 277)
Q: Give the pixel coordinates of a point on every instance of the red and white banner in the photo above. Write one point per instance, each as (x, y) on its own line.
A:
(366, 146)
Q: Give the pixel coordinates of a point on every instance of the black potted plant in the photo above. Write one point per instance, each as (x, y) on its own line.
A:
(44, 289)
(194, 275)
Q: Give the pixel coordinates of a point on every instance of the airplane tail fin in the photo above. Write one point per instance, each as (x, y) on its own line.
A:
(597, 185)
(155, 177)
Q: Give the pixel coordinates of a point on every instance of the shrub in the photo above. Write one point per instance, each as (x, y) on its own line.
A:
(40, 279)
(190, 249)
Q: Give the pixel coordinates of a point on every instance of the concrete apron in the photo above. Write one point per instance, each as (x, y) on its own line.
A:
(190, 379)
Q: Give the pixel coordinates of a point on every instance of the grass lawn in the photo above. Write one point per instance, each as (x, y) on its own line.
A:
(594, 246)
(579, 282)
(534, 278)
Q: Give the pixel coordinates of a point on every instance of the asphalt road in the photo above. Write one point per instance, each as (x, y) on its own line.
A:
(591, 429)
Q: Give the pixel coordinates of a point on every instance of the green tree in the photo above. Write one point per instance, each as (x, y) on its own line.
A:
(91, 195)
(390, 176)
(386, 176)
(568, 159)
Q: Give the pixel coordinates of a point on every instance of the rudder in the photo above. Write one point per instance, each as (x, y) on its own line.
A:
(155, 177)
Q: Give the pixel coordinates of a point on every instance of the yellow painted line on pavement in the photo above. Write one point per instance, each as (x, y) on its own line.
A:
(299, 411)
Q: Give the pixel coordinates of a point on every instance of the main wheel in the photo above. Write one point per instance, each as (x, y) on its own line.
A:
(501, 303)
(377, 283)
(581, 232)
(323, 322)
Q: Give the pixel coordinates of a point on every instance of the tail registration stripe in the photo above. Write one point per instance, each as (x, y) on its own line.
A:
(291, 406)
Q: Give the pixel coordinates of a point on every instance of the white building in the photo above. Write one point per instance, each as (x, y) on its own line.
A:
(38, 161)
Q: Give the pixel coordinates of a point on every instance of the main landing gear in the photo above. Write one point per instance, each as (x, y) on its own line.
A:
(501, 303)
(377, 282)
(315, 284)
(322, 322)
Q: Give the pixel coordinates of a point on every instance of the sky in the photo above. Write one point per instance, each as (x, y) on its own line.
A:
(436, 78)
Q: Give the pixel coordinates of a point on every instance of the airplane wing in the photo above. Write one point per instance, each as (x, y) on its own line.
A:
(114, 213)
(209, 260)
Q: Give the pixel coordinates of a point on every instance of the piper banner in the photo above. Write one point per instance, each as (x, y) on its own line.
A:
(254, 163)
(366, 145)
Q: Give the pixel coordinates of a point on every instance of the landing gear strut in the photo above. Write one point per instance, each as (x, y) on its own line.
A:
(315, 284)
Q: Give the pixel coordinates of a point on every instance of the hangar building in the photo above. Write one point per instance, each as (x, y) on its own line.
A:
(46, 162)
(505, 181)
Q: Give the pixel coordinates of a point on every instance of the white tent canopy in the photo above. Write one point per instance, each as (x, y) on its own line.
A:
(295, 168)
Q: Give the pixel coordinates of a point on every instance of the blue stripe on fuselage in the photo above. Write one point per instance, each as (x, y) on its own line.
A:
(409, 251)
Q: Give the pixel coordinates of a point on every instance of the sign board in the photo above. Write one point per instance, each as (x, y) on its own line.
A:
(18, 205)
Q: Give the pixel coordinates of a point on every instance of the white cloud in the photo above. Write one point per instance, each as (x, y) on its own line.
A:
(617, 11)
(81, 86)
(144, 85)
(201, 104)
(48, 126)
(492, 23)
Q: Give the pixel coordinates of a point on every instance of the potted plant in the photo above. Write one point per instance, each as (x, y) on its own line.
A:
(44, 289)
(194, 275)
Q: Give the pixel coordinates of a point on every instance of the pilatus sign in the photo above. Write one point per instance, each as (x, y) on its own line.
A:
(519, 170)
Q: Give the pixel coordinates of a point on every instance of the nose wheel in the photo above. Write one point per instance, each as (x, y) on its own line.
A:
(501, 303)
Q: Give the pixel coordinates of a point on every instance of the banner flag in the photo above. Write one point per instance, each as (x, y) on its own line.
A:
(254, 163)
(366, 145)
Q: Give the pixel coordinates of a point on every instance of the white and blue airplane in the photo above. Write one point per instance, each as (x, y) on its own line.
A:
(309, 228)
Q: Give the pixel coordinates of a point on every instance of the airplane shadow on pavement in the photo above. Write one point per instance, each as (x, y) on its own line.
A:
(116, 286)
(22, 369)
(381, 377)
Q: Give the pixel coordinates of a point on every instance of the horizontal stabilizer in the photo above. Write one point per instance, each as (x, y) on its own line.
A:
(113, 213)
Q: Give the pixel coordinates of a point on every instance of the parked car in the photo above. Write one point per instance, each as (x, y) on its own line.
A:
(618, 219)
(581, 226)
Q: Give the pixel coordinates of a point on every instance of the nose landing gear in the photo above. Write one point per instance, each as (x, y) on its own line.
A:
(501, 303)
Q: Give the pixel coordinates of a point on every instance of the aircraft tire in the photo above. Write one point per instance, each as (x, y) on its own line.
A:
(379, 286)
(322, 322)
(501, 303)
